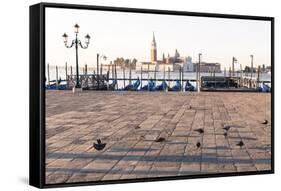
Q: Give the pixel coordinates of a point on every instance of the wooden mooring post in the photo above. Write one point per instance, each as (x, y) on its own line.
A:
(130, 73)
(98, 79)
(155, 74)
(57, 82)
(66, 71)
(48, 73)
(115, 74)
(148, 71)
(258, 78)
(141, 78)
(71, 72)
(180, 77)
(169, 76)
(124, 77)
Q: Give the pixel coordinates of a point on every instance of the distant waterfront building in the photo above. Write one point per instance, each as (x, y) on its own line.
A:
(208, 67)
(172, 63)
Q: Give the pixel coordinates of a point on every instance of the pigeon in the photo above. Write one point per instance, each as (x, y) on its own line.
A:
(160, 139)
(200, 130)
(225, 134)
(265, 122)
(227, 128)
(240, 144)
(99, 145)
(198, 144)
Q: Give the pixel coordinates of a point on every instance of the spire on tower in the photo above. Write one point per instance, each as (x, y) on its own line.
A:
(153, 41)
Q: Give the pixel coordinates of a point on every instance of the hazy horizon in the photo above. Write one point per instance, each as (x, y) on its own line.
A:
(129, 35)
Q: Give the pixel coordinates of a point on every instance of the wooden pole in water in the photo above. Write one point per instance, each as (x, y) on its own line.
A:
(98, 78)
(164, 72)
(169, 76)
(258, 78)
(112, 70)
(180, 77)
(71, 71)
(148, 71)
(115, 69)
(98, 64)
(57, 82)
(108, 70)
(229, 72)
(101, 69)
(130, 73)
(141, 78)
(252, 63)
(197, 67)
(124, 77)
(86, 69)
(66, 71)
(224, 72)
(233, 60)
(155, 73)
(48, 73)
(199, 72)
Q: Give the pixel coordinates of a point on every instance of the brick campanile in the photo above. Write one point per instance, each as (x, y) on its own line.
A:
(153, 50)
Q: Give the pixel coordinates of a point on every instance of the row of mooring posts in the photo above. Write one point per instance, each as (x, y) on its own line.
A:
(70, 78)
(112, 68)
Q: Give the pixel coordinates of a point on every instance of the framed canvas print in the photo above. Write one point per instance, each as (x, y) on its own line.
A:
(126, 95)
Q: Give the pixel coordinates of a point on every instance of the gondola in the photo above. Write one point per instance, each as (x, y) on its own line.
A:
(176, 87)
(150, 86)
(162, 87)
(264, 88)
(189, 86)
(134, 86)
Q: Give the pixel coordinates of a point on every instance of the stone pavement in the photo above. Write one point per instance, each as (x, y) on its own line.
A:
(129, 122)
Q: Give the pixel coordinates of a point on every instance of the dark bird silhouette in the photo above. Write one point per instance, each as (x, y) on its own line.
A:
(200, 130)
(227, 128)
(137, 127)
(198, 145)
(225, 134)
(99, 145)
(265, 122)
(240, 144)
(160, 139)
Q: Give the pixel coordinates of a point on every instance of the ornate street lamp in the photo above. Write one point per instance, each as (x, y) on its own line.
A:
(76, 42)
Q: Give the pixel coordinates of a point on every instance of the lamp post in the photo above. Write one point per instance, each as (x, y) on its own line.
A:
(76, 42)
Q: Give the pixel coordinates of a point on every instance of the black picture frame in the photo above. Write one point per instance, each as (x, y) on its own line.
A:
(37, 91)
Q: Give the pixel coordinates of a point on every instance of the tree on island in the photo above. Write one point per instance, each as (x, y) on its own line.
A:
(125, 63)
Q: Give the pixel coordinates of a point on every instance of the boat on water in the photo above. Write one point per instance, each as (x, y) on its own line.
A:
(176, 87)
(134, 86)
(150, 86)
(163, 86)
(264, 88)
(189, 86)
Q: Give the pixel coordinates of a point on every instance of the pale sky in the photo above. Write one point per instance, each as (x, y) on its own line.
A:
(129, 35)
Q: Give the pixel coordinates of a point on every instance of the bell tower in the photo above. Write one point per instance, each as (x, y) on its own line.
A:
(153, 50)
